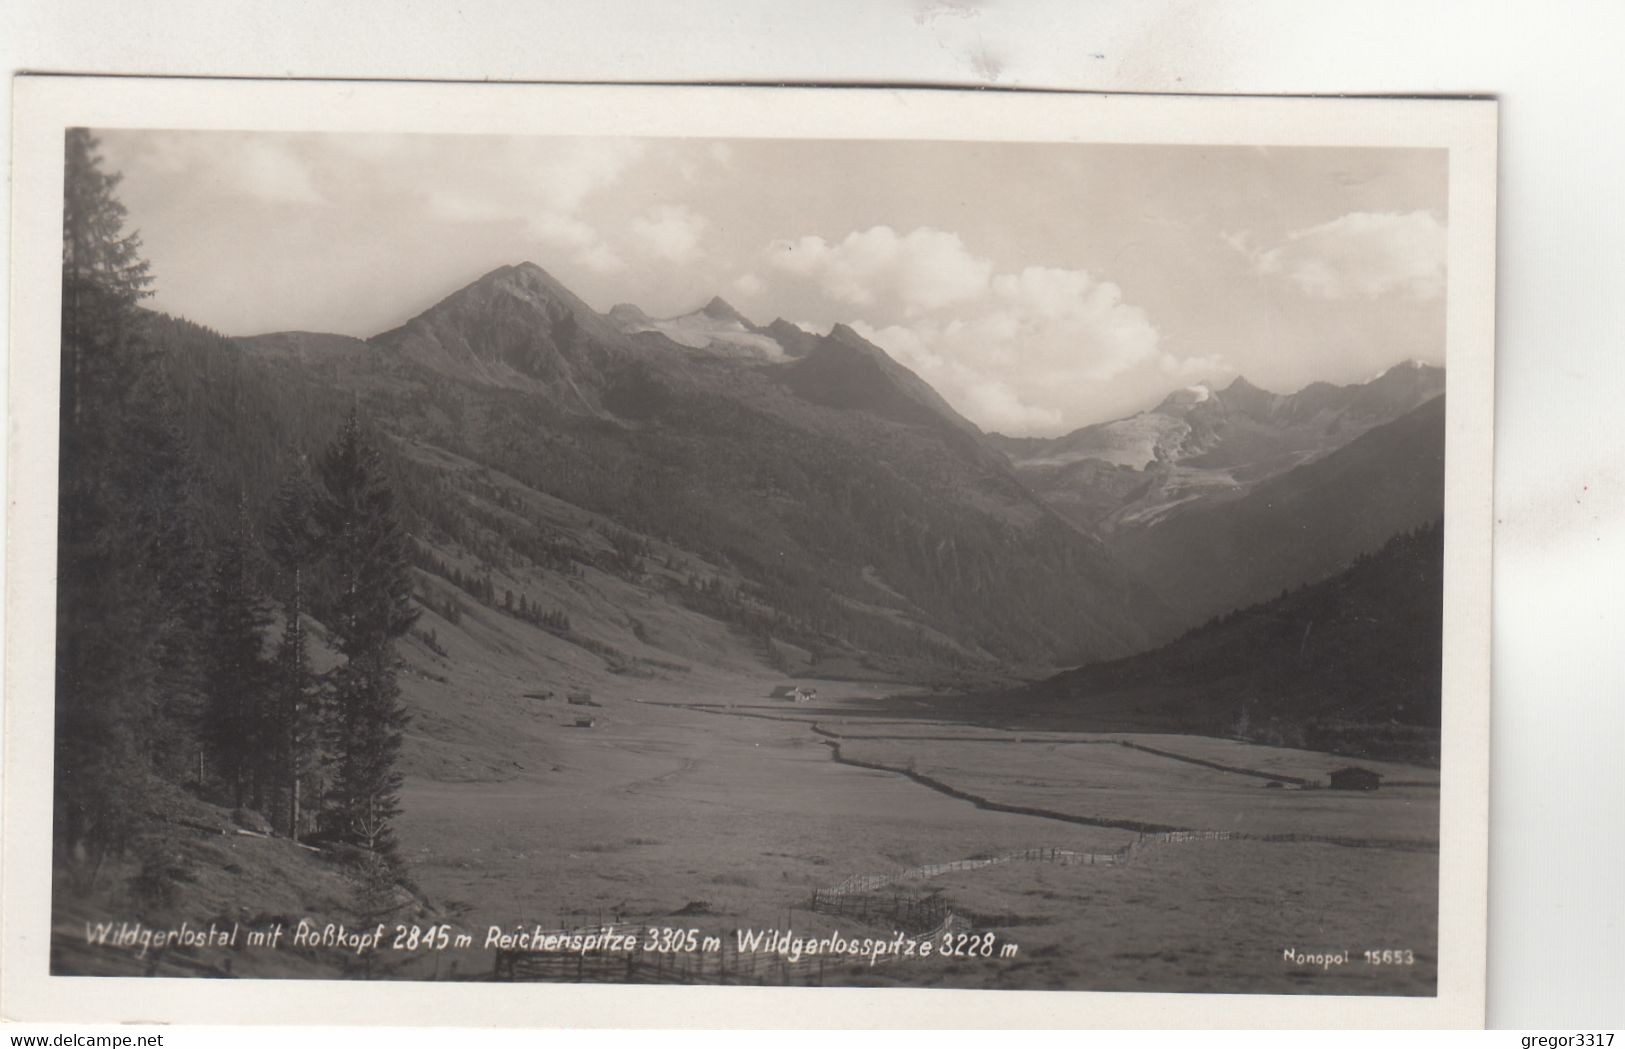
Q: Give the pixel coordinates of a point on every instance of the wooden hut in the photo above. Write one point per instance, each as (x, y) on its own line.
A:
(1353, 777)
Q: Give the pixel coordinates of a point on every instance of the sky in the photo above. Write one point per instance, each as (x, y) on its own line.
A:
(1038, 286)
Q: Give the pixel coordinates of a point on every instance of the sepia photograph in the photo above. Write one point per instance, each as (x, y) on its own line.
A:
(770, 559)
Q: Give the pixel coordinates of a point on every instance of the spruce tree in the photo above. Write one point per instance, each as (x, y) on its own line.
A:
(238, 727)
(294, 543)
(368, 552)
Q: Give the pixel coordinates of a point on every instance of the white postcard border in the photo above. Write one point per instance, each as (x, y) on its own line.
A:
(45, 106)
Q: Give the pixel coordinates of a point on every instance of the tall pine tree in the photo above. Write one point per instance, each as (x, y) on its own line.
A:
(294, 542)
(371, 607)
(128, 602)
(237, 725)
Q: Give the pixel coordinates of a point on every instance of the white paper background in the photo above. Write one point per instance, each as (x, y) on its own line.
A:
(1557, 909)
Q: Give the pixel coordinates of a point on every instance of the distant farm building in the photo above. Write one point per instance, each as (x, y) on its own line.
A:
(794, 693)
(580, 699)
(586, 722)
(1353, 778)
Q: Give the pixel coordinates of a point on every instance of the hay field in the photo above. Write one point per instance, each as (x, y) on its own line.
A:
(1107, 781)
(714, 814)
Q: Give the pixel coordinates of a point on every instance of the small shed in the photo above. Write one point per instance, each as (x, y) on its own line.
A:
(580, 699)
(1353, 777)
(586, 722)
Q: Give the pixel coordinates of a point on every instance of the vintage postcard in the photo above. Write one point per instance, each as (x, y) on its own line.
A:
(585, 555)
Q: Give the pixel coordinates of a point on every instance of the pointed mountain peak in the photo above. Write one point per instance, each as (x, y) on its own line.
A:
(525, 280)
(527, 272)
(719, 309)
(848, 336)
(845, 337)
(516, 325)
(796, 340)
(1242, 396)
(1406, 378)
(626, 316)
(845, 370)
(1410, 366)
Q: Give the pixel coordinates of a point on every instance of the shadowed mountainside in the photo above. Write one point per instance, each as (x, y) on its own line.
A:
(1351, 664)
(1300, 526)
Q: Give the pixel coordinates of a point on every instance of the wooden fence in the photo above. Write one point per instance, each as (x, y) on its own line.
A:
(861, 884)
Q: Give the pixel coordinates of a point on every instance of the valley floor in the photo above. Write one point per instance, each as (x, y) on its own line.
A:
(724, 811)
(1096, 861)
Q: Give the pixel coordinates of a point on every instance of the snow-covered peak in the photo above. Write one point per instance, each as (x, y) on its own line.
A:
(1182, 400)
(1410, 364)
(716, 327)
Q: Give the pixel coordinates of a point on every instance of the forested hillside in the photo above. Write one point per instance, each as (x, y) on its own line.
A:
(1350, 664)
(209, 523)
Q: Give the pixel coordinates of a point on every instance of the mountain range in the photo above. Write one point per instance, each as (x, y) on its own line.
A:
(806, 494)
(1203, 445)
(847, 511)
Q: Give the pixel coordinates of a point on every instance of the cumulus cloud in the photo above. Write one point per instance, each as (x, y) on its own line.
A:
(1188, 368)
(272, 173)
(670, 231)
(985, 396)
(554, 229)
(922, 270)
(601, 258)
(563, 174)
(544, 200)
(1018, 351)
(562, 229)
(748, 284)
(269, 168)
(1361, 255)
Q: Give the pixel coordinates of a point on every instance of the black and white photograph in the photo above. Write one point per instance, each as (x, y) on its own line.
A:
(779, 559)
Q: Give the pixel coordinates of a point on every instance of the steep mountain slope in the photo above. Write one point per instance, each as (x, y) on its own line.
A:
(1299, 526)
(844, 370)
(1351, 664)
(829, 508)
(829, 511)
(1202, 445)
(517, 328)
